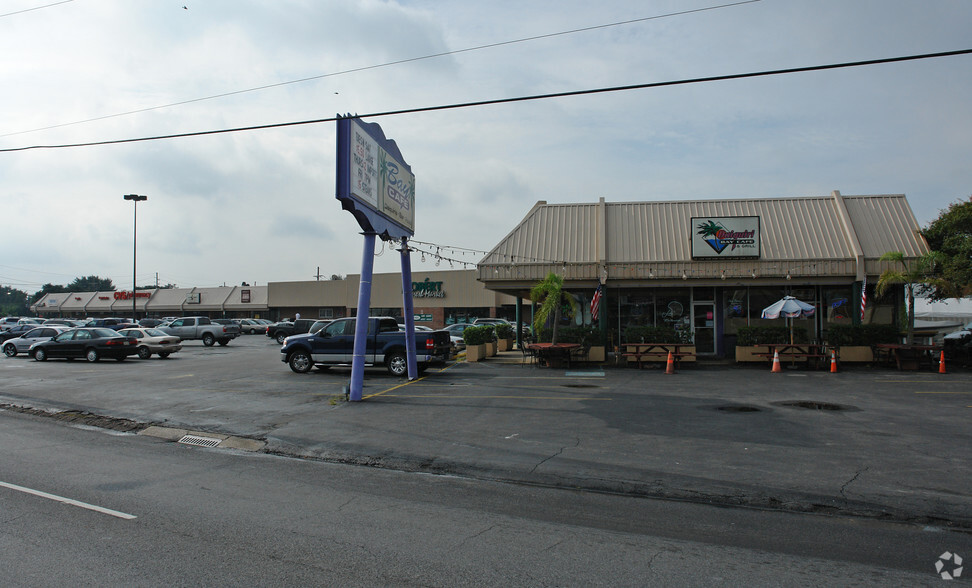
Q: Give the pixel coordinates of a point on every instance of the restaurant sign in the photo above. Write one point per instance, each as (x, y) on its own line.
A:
(732, 236)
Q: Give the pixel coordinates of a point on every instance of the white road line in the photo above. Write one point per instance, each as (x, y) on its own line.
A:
(56, 498)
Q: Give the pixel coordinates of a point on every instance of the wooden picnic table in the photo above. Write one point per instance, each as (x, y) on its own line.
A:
(908, 357)
(556, 353)
(812, 352)
(639, 352)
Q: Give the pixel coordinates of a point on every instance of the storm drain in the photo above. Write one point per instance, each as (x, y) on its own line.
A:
(200, 441)
(738, 408)
(812, 405)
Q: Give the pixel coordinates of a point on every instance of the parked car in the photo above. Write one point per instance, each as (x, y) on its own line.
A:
(318, 325)
(149, 322)
(252, 326)
(91, 343)
(153, 341)
(9, 321)
(962, 334)
(22, 344)
(401, 327)
(200, 327)
(15, 331)
(284, 329)
(455, 334)
(63, 322)
(334, 345)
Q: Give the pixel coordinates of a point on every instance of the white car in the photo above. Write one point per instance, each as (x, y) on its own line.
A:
(11, 347)
(153, 341)
(961, 334)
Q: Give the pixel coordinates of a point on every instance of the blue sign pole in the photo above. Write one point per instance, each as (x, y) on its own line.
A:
(361, 324)
(409, 311)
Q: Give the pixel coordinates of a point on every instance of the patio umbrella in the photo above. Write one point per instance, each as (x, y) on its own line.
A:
(789, 308)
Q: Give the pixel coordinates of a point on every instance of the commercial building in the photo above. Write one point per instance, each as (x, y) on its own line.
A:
(709, 267)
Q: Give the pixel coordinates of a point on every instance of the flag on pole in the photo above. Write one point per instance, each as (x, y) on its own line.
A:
(863, 297)
(596, 303)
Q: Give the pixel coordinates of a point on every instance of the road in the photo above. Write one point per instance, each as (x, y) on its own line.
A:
(222, 517)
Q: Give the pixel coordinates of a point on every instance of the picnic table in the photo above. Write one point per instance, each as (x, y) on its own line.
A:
(640, 352)
(813, 353)
(554, 353)
(907, 357)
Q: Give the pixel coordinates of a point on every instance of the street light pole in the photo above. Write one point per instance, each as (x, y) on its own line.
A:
(135, 198)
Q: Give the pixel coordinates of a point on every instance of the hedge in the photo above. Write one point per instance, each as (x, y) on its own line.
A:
(867, 335)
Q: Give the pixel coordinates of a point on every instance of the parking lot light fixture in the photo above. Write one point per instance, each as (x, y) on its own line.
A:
(135, 198)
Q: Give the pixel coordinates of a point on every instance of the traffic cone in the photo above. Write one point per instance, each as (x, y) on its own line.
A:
(941, 363)
(776, 363)
(670, 368)
(833, 361)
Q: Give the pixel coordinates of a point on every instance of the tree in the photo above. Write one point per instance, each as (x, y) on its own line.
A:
(13, 302)
(920, 274)
(552, 298)
(950, 235)
(90, 284)
(48, 289)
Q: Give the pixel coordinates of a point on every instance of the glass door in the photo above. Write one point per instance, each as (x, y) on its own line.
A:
(703, 326)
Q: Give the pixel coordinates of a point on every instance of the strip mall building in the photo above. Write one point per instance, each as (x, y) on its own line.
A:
(704, 267)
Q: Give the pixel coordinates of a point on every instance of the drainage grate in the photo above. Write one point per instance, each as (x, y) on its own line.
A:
(738, 408)
(200, 441)
(812, 405)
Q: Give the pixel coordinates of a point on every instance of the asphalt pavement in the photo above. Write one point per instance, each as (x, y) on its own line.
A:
(868, 442)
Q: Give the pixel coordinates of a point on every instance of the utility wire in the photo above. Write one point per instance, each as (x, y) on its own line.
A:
(35, 8)
(508, 100)
(388, 64)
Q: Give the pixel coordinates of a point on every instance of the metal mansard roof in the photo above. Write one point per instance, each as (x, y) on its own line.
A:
(826, 237)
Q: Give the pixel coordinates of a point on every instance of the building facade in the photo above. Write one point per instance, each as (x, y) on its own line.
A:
(707, 268)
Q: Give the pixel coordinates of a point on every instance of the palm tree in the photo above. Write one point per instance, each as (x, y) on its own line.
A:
(921, 273)
(551, 296)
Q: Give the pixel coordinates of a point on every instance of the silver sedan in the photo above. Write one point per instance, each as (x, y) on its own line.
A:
(12, 347)
(153, 341)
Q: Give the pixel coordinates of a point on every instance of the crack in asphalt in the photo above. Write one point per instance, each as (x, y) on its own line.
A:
(548, 458)
(852, 480)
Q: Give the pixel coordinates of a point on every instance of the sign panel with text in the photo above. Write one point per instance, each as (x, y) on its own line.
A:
(732, 236)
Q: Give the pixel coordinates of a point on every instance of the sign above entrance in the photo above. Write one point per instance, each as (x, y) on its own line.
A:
(728, 236)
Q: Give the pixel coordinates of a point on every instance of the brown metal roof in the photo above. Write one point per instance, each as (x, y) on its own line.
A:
(821, 236)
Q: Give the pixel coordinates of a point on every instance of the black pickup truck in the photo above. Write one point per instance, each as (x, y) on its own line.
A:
(334, 346)
(284, 329)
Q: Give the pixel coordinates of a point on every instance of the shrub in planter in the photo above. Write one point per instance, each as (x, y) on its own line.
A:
(861, 335)
(504, 331)
(760, 335)
(655, 334)
(478, 335)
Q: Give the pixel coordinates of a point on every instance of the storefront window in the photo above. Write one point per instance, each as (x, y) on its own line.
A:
(673, 309)
(736, 310)
(465, 315)
(837, 308)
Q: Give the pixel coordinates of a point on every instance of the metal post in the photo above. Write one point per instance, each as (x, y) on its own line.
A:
(361, 323)
(409, 309)
(135, 198)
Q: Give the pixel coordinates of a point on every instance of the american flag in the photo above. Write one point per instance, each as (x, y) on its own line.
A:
(863, 297)
(596, 303)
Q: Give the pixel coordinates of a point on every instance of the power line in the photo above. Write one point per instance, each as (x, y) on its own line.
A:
(35, 8)
(381, 65)
(506, 100)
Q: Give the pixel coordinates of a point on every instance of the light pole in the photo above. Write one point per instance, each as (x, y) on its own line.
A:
(135, 198)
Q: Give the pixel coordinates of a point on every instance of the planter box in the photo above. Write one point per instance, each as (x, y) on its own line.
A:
(747, 353)
(596, 354)
(504, 344)
(491, 349)
(855, 353)
(475, 352)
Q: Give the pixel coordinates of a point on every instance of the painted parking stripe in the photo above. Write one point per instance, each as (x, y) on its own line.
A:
(70, 501)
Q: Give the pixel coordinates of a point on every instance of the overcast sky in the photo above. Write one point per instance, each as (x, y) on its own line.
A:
(259, 206)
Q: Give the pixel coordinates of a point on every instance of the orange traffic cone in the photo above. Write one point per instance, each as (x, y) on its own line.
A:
(776, 363)
(670, 368)
(833, 361)
(941, 363)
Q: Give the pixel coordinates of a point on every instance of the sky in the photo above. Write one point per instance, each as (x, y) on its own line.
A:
(259, 206)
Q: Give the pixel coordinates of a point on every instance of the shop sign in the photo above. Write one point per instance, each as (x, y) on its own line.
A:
(128, 295)
(245, 296)
(427, 289)
(193, 298)
(732, 236)
(422, 318)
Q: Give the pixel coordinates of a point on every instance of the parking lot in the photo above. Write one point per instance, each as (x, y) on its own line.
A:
(871, 442)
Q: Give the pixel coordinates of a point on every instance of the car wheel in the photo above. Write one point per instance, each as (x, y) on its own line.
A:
(208, 340)
(40, 354)
(281, 337)
(223, 342)
(120, 359)
(9, 350)
(397, 364)
(163, 354)
(91, 355)
(300, 361)
(144, 353)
